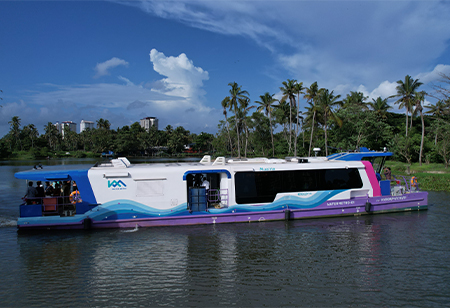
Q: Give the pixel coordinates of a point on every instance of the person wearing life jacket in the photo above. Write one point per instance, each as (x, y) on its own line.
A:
(75, 195)
(413, 182)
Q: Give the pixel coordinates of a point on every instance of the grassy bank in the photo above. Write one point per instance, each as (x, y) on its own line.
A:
(430, 176)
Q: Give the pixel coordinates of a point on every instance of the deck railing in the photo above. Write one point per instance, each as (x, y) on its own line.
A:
(219, 196)
(410, 184)
(58, 205)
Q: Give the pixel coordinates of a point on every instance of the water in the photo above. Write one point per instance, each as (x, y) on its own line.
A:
(399, 259)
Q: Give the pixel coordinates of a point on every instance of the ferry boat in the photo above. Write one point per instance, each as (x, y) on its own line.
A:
(119, 194)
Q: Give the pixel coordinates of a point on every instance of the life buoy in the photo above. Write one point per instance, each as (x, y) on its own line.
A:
(75, 197)
(413, 181)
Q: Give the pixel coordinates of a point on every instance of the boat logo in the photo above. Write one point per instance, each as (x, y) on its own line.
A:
(117, 185)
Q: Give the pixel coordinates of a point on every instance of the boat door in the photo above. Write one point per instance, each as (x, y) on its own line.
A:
(207, 189)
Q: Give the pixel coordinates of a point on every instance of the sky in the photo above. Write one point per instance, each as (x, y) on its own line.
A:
(126, 60)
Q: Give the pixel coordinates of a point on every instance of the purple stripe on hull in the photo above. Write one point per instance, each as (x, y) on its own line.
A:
(71, 226)
(356, 206)
(191, 220)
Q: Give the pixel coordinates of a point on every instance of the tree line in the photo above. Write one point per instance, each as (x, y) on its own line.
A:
(127, 140)
(274, 127)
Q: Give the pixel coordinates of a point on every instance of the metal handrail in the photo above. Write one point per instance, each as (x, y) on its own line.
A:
(218, 195)
(407, 182)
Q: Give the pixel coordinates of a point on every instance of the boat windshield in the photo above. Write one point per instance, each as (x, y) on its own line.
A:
(377, 163)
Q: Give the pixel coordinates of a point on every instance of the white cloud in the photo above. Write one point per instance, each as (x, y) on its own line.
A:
(434, 74)
(384, 90)
(102, 69)
(183, 79)
(332, 42)
(123, 104)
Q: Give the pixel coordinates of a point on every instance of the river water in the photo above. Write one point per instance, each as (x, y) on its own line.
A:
(396, 260)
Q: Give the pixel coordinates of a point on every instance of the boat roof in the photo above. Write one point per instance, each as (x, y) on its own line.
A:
(64, 172)
(359, 155)
(52, 173)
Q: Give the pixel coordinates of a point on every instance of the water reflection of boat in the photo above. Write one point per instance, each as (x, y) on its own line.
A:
(119, 194)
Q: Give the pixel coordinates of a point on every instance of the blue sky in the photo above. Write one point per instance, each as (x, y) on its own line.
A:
(122, 61)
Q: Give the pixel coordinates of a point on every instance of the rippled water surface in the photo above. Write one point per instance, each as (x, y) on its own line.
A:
(392, 260)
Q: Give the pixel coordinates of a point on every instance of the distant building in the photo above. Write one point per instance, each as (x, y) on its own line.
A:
(85, 125)
(148, 122)
(72, 126)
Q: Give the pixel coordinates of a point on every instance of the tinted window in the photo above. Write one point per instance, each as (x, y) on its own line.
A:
(262, 187)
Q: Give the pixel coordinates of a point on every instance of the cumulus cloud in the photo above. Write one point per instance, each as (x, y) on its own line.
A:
(434, 74)
(181, 91)
(182, 77)
(102, 69)
(336, 43)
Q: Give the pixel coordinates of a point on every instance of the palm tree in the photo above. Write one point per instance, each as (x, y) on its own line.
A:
(244, 108)
(437, 111)
(356, 99)
(380, 107)
(406, 90)
(310, 96)
(419, 97)
(236, 93)
(32, 133)
(225, 105)
(266, 104)
(282, 115)
(327, 100)
(289, 91)
(51, 134)
(14, 125)
(102, 123)
(298, 90)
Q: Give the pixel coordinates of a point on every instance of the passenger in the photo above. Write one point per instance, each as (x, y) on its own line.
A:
(30, 195)
(205, 182)
(387, 173)
(413, 183)
(57, 190)
(40, 191)
(75, 195)
(48, 189)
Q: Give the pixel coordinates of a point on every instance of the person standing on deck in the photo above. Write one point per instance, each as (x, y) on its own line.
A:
(48, 189)
(387, 173)
(31, 193)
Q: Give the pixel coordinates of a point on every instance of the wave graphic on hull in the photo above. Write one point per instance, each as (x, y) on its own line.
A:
(128, 209)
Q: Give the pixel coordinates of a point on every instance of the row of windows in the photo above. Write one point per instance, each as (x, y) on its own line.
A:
(262, 187)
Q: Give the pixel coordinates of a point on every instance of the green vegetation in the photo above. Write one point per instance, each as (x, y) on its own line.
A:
(430, 176)
(420, 139)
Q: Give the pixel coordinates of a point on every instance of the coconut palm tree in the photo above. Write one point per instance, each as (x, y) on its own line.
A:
(282, 111)
(266, 104)
(298, 90)
(102, 123)
(244, 108)
(225, 106)
(380, 107)
(14, 125)
(289, 91)
(310, 95)
(356, 99)
(327, 101)
(51, 134)
(419, 97)
(236, 93)
(32, 133)
(406, 90)
(438, 111)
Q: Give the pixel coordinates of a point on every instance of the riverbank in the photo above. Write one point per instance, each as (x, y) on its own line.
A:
(433, 177)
